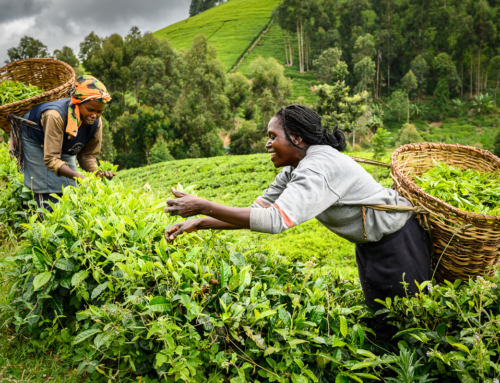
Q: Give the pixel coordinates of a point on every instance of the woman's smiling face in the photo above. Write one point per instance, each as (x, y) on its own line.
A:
(283, 152)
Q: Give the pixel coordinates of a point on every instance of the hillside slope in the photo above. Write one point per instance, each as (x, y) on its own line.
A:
(230, 27)
(241, 31)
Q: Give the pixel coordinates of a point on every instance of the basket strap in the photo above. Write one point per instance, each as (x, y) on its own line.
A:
(371, 162)
(398, 208)
(30, 123)
(393, 208)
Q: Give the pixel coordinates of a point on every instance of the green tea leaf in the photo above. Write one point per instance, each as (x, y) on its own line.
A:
(41, 280)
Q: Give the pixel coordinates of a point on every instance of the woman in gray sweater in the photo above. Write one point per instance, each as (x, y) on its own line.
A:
(318, 181)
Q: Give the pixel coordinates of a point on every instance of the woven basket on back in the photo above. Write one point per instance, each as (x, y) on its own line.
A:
(465, 244)
(55, 77)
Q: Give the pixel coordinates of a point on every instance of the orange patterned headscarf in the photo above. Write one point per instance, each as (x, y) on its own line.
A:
(86, 88)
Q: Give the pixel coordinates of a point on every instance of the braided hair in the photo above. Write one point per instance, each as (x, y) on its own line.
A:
(301, 121)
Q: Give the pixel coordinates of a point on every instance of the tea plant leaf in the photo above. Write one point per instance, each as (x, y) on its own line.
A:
(366, 353)
(64, 264)
(461, 346)
(85, 335)
(79, 277)
(257, 338)
(41, 280)
(225, 272)
(159, 304)
(343, 326)
(102, 339)
(98, 290)
(285, 317)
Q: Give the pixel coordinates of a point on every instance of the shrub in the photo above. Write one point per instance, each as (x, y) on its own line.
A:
(247, 139)
(408, 134)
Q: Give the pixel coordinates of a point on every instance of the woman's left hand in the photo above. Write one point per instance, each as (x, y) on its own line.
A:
(185, 205)
(108, 174)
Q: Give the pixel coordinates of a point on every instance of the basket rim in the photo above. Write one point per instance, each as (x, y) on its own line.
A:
(44, 94)
(448, 147)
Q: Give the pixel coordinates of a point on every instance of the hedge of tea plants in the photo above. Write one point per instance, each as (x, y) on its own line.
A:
(95, 282)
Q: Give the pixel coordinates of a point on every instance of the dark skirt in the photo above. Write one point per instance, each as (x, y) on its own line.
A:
(383, 265)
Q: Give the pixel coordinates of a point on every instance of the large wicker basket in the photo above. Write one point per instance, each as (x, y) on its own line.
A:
(465, 244)
(54, 76)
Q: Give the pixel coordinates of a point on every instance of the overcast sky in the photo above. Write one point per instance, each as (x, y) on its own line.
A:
(57, 23)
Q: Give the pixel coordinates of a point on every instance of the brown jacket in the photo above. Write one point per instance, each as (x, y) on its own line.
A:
(54, 129)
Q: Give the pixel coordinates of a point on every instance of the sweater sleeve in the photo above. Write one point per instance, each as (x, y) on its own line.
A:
(305, 196)
(274, 190)
(87, 158)
(53, 126)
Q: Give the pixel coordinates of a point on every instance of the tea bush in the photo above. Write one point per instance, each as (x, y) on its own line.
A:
(15, 198)
(97, 278)
(96, 282)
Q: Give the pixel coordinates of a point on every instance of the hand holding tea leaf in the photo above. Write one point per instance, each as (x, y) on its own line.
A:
(108, 174)
(185, 205)
(174, 231)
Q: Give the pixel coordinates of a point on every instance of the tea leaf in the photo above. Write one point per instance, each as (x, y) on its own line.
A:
(41, 280)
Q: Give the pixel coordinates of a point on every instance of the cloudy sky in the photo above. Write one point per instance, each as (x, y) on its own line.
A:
(66, 22)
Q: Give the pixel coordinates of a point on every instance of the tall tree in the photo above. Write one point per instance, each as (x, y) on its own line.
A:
(485, 30)
(67, 55)
(270, 87)
(28, 47)
(202, 107)
(330, 67)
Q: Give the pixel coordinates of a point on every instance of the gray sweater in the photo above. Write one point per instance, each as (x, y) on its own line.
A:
(331, 187)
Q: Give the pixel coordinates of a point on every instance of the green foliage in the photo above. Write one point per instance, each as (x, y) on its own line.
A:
(12, 91)
(364, 71)
(28, 47)
(364, 46)
(198, 6)
(452, 330)
(159, 151)
(67, 55)
(420, 69)
(409, 82)
(15, 199)
(329, 66)
(336, 106)
(408, 134)
(396, 106)
(447, 74)
(202, 107)
(380, 142)
(469, 190)
(143, 128)
(270, 88)
(237, 90)
(103, 286)
(483, 104)
(247, 139)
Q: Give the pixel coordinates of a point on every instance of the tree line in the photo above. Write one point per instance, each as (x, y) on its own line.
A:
(374, 62)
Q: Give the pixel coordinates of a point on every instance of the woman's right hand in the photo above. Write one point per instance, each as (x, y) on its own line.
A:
(180, 228)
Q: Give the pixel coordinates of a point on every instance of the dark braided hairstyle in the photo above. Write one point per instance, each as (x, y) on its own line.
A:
(301, 121)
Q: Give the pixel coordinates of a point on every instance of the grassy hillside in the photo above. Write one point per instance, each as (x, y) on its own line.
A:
(271, 45)
(230, 27)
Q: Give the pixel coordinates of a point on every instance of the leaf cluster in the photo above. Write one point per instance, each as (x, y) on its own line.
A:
(12, 91)
(469, 190)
